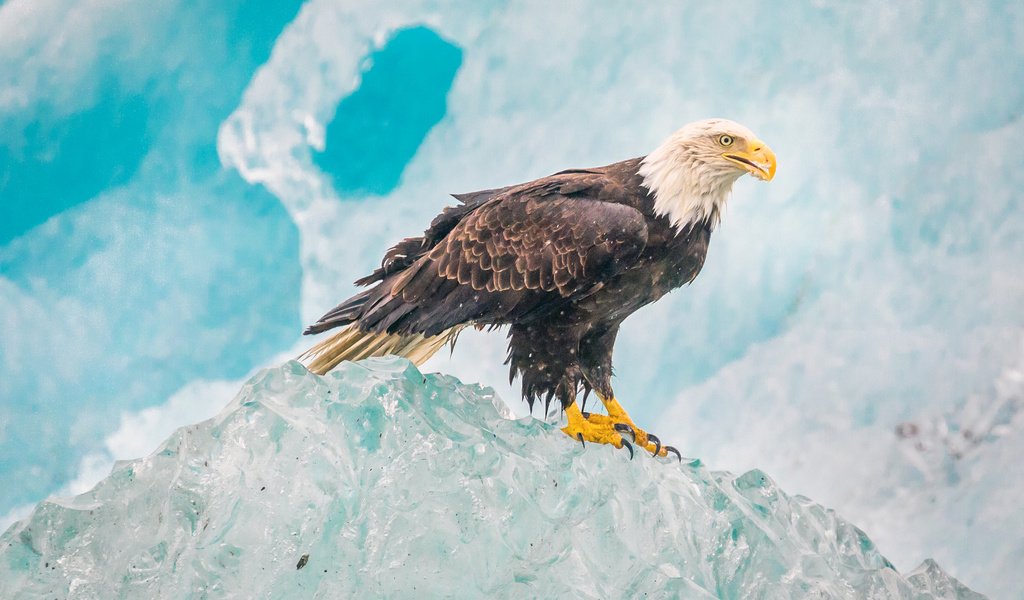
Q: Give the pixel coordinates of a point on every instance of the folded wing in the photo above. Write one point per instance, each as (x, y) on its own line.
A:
(522, 252)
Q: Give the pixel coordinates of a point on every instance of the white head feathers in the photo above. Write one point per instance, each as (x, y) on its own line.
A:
(692, 172)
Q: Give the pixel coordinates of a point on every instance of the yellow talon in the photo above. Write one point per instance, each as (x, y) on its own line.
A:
(608, 429)
(617, 414)
(584, 429)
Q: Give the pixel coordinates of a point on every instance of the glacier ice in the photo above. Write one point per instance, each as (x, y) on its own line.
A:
(151, 257)
(874, 283)
(378, 480)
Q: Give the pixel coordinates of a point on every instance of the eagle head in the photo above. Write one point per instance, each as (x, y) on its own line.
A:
(691, 173)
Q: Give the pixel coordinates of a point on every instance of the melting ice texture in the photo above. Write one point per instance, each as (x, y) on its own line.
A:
(857, 330)
(378, 480)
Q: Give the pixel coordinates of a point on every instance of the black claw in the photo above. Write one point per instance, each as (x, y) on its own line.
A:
(626, 428)
(579, 436)
(657, 443)
(629, 447)
(671, 449)
(586, 415)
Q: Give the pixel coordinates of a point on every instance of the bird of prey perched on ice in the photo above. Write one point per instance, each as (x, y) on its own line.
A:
(562, 261)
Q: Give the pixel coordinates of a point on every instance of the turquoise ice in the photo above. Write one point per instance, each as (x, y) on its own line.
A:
(178, 196)
(123, 243)
(380, 481)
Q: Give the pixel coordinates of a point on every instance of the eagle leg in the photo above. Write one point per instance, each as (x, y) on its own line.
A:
(619, 420)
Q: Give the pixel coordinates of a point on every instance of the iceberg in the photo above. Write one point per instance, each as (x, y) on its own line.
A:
(380, 480)
(179, 196)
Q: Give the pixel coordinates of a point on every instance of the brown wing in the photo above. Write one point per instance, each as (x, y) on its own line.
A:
(527, 250)
(557, 245)
(402, 255)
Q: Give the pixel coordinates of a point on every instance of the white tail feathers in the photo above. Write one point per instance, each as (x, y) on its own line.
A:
(352, 344)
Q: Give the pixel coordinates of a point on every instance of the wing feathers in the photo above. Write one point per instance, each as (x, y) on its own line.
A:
(504, 254)
(513, 248)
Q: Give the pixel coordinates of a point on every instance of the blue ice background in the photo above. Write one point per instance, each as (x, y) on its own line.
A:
(876, 281)
(375, 132)
(132, 262)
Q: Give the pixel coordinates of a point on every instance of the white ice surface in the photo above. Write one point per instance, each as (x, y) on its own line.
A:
(380, 481)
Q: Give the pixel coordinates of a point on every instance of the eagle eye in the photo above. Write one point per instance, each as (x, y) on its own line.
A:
(725, 140)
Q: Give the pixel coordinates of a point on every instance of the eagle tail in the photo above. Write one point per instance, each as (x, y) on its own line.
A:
(352, 344)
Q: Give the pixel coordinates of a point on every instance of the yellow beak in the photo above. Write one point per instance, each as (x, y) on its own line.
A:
(758, 160)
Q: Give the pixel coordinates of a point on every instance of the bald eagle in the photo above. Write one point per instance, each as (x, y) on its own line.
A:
(561, 261)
